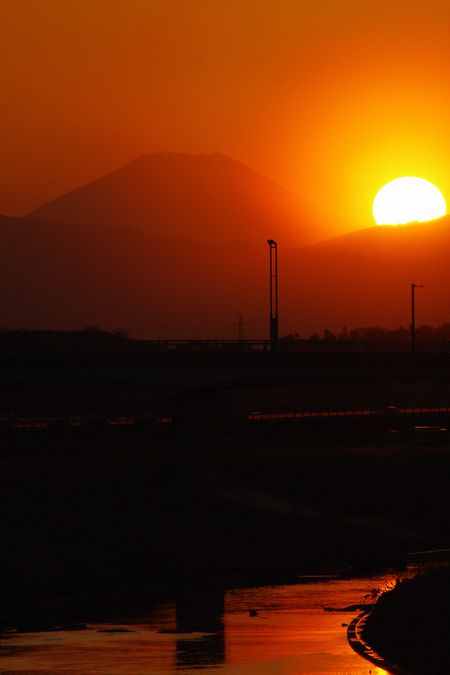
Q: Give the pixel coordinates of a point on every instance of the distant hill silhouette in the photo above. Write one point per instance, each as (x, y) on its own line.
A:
(121, 276)
(364, 278)
(205, 197)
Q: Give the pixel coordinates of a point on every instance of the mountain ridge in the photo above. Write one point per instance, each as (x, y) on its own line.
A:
(210, 197)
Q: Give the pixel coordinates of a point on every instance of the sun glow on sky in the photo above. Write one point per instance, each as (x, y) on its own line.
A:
(406, 200)
(328, 99)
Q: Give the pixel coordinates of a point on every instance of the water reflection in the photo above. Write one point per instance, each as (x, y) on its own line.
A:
(287, 633)
(200, 610)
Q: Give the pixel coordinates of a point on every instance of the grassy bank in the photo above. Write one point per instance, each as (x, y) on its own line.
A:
(410, 624)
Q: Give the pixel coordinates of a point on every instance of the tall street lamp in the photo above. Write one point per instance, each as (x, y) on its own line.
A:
(273, 268)
(413, 316)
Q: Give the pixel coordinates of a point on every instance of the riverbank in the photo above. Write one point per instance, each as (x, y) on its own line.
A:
(409, 624)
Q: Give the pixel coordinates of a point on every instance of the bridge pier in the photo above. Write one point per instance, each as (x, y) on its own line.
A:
(199, 423)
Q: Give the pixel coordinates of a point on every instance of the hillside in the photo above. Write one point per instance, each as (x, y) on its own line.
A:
(364, 278)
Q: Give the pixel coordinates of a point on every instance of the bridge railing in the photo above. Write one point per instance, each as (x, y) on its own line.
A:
(300, 346)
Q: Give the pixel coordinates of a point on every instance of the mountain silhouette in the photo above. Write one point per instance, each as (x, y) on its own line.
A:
(210, 198)
(364, 278)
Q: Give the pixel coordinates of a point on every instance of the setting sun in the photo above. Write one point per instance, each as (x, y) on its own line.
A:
(407, 200)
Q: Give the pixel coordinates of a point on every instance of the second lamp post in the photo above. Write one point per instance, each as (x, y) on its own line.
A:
(273, 268)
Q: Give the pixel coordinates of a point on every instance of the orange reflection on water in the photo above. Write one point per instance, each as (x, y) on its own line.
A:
(280, 630)
(291, 634)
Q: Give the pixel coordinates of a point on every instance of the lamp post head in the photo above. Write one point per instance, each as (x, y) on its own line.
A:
(417, 285)
(272, 243)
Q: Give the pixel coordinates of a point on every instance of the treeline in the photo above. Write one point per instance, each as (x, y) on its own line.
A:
(441, 333)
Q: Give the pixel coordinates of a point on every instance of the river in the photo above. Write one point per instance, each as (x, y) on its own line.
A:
(268, 630)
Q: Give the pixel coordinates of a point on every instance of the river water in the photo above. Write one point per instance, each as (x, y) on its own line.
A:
(269, 630)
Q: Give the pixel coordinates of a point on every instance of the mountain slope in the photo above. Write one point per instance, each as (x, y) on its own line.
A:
(204, 197)
(62, 276)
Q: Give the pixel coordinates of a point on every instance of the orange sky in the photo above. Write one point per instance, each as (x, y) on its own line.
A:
(331, 99)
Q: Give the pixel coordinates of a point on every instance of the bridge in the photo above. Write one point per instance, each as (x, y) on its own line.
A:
(127, 379)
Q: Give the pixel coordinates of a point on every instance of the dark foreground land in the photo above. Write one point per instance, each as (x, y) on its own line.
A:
(212, 498)
(410, 624)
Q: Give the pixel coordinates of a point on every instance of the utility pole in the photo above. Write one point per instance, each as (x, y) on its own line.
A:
(413, 316)
(273, 270)
(241, 328)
